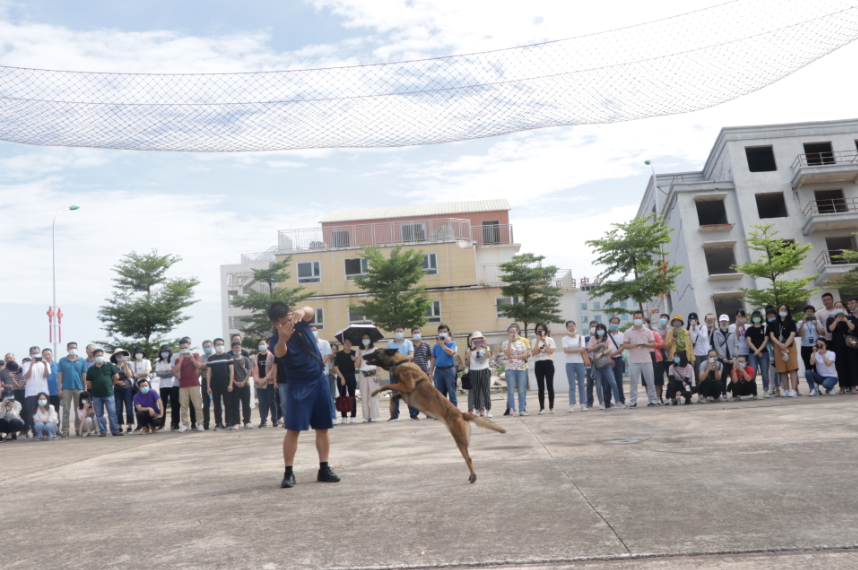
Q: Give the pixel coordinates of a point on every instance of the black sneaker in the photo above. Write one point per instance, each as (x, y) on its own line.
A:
(131, 429)
(327, 476)
(118, 433)
(506, 413)
(263, 424)
(288, 481)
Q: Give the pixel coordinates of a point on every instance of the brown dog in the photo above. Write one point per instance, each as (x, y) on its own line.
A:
(417, 391)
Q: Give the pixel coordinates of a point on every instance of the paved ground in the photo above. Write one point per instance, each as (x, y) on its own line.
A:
(766, 484)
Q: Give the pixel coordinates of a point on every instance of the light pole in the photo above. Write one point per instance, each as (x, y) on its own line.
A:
(54, 264)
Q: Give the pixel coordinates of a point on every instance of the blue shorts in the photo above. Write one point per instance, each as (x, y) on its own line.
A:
(308, 406)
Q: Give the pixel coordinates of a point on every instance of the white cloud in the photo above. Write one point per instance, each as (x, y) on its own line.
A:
(33, 164)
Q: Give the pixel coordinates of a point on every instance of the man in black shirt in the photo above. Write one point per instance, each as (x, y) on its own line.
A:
(344, 368)
(219, 376)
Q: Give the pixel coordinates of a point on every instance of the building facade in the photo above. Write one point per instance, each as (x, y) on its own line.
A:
(801, 177)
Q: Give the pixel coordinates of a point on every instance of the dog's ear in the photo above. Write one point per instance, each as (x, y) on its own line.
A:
(391, 351)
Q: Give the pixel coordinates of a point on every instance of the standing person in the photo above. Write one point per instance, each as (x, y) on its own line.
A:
(758, 353)
(53, 379)
(71, 380)
(208, 350)
(219, 377)
(148, 407)
(680, 376)
(727, 346)
(678, 341)
(36, 374)
(236, 338)
(662, 329)
(740, 328)
(656, 356)
(699, 341)
(368, 381)
(711, 374)
(840, 324)
(615, 344)
(823, 314)
(515, 371)
(307, 393)
(344, 368)
(602, 365)
(543, 347)
(10, 415)
(771, 321)
(328, 362)
(444, 364)
(239, 388)
(45, 419)
(422, 352)
(743, 379)
(406, 348)
(264, 376)
(590, 371)
(90, 355)
(824, 374)
(575, 347)
(141, 369)
(101, 378)
(478, 354)
(122, 391)
(782, 336)
(186, 367)
(168, 385)
(638, 340)
(809, 330)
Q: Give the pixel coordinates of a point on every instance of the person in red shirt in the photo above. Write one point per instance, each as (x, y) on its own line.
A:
(186, 367)
(743, 379)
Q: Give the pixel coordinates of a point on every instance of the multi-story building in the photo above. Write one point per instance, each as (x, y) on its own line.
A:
(802, 177)
(463, 244)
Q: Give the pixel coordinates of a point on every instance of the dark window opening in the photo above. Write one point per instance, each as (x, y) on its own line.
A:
(760, 158)
(835, 247)
(341, 238)
(830, 201)
(818, 153)
(711, 212)
(491, 232)
(720, 260)
(771, 205)
(727, 305)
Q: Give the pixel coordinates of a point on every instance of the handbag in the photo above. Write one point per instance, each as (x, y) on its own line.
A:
(602, 361)
(584, 356)
(345, 404)
(851, 340)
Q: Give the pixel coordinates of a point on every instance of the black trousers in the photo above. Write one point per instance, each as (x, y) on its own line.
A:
(806, 352)
(145, 419)
(26, 409)
(348, 390)
(674, 386)
(172, 395)
(240, 402)
(725, 376)
(221, 398)
(11, 426)
(544, 370)
(742, 388)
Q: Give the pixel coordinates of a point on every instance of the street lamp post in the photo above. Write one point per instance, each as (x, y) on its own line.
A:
(54, 265)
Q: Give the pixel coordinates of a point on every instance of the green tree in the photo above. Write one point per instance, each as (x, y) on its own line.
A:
(538, 300)
(848, 283)
(146, 304)
(778, 257)
(392, 282)
(632, 254)
(256, 325)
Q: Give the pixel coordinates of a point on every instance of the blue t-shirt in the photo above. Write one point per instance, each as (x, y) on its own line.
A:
(405, 347)
(443, 359)
(72, 373)
(53, 389)
(300, 365)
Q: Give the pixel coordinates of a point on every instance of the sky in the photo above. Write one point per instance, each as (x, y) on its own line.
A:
(565, 185)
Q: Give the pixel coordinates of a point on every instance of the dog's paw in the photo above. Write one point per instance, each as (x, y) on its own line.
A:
(472, 478)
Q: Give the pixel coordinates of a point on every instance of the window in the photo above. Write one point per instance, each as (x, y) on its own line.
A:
(310, 272)
(624, 304)
(433, 312)
(727, 304)
(597, 305)
(760, 158)
(413, 232)
(598, 318)
(430, 264)
(231, 298)
(771, 205)
(491, 232)
(583, 306)
(609, 305)
(355, 267)
(584, 320)
(720, 260)
(318, 319)
(711, 212)
(830, 201)
(626, 317)
(356, 317)
(818, 153)
(340, 238)
(504, 301)
(237, 323)
(835, 247)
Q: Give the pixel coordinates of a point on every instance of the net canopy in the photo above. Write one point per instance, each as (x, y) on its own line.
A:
(676, 65)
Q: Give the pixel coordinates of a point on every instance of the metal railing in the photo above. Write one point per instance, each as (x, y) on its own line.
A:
(492, 234)
(831, 257)
(261, 257)
(491, 275)
(830, 206)
(825, 158)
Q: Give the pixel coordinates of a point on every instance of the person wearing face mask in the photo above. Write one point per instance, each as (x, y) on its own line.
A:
(140, 368)
(711, 373)
(406, 348)
(265, 379)
(45, 418)
(699, 341)
(590, 372)
(186, 367)
(36, 374)
(122, 392)
(239, 389)
(743, 379)
(809, 330)
(367, 381)
(516, 353)
(575, 349)
(168, 385)
(148, 407)
(638, 340)
(598, 347)
(543, 347)
(615, 343)
(727, 346)
(208, 350)
(101, 378)
(53, 379)
(740, 328)
(775, 383)
(328, 361)
(758, 354)
(662, 328)
(782, 335)
(71, 380)
(10, 414)
(680, 376)
(655, 355)
(678, 340)
(219, 378)
(478, 355)
(824, 375)
(237, 338)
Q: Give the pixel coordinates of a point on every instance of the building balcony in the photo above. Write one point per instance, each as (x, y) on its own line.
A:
(413, 232)
(825, 167)
(831, 214)
(830, 267)
(491, 277)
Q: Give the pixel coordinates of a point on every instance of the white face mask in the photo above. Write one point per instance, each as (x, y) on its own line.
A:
(592, 330)
(263, 348)
(72, 352)
(139, 356)
(219, 349)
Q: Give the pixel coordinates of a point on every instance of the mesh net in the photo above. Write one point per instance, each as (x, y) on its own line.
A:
(676, 65)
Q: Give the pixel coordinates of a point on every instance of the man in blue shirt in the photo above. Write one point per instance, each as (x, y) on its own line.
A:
(71, 381)
(308, 396)
(406, 349)
(443, 370)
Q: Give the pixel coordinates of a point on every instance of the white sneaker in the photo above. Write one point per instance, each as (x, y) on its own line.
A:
(366, 421)
(767, 394)
(572, 409)
(541, 412)
(523, 413)
(183, 429)
(814, 392)
(583, 408)
(602, 407)
(488, 414)
(620, 406)
(353, 420)
(550, 410)
(200, 428)
(248, 426)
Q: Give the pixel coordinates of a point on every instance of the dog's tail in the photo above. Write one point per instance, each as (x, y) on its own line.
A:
(483, 423)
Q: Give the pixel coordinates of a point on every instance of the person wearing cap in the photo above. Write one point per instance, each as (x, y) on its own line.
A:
(122, 391)
(699, 341)
(758, 354)
(678, 340)
(727, 346)
(478, 354)
(101, 378)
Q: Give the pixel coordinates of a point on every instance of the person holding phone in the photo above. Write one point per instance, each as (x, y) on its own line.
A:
(368, 380)
(477, 355)
(841, 324)
(782, 334)
(743, 379)
(711, 371)
(598, 347)
(443, 370)
(824, 375)
(809, 330)
(516, 352)
(638, 340)
(575, 348)
(543, 346)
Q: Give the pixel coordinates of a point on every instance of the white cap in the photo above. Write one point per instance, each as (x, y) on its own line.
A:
(724, 318)
(477, 334)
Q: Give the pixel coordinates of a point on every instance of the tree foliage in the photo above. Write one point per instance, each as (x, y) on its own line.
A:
(632, 254)
(392, 282)
(848, 283)
(146, 305)
(778, 257)
(538, 299)
(256, 324)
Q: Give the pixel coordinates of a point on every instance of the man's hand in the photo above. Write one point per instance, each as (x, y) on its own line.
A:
(208, 391)
(285, 330)
(297, 316)
(60, 393)
(229, 389)
(151, 412)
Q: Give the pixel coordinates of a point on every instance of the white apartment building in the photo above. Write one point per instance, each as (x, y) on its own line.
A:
(802, 177)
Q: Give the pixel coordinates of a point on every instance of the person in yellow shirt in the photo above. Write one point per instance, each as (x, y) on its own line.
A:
(679, 340)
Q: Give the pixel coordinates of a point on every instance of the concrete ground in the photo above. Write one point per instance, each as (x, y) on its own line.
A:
(765, 484)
